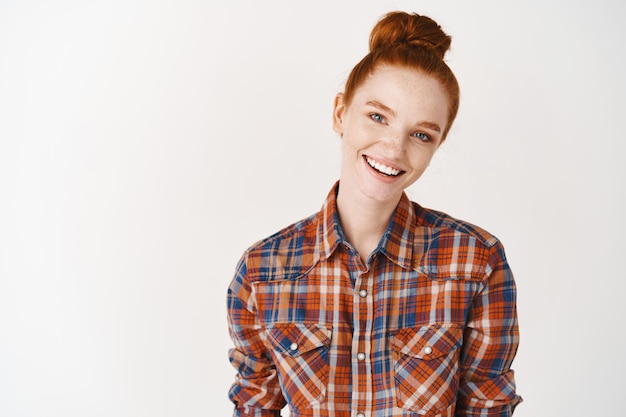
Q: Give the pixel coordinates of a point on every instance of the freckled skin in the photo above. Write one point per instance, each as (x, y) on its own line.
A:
(396, 117)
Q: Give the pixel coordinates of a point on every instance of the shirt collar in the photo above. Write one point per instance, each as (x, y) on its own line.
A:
(396, 243)
(329, 232)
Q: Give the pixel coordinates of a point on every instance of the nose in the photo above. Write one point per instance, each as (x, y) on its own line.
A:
(395, 143)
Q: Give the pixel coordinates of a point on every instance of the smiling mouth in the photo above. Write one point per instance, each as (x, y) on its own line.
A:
(383, 169)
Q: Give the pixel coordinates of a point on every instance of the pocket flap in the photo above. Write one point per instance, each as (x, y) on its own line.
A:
(294, 339)
(427, 342)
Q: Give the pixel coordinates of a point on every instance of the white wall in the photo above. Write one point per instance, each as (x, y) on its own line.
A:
(145, 144)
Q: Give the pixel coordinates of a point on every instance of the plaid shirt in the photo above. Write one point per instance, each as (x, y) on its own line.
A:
(427, 327)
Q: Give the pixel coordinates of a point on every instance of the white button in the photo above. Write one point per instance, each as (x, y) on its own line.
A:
(360, 415)
(428, 350)
(293, 346)
(363, 293)
(360, 356)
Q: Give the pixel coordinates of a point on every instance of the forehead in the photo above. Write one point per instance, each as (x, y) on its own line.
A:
(404, 90)
(386, 78)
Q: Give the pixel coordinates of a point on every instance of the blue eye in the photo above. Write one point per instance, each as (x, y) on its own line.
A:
(422, 136)
(377, 117)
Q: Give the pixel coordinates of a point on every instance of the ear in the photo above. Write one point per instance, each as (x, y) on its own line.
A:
(338, 109)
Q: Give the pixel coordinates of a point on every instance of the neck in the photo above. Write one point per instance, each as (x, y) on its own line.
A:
(363, 219)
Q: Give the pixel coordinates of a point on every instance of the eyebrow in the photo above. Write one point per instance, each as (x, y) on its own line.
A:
(432, 126)
(381, 106)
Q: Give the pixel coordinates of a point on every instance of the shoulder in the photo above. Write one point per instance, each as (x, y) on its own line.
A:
(286, 254)
(444, 223)
(453, 247)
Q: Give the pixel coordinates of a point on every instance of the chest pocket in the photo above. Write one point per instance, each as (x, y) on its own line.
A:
(426, 364)
(300, 352)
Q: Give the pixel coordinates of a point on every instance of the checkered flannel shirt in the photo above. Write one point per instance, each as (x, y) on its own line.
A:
(427, 327)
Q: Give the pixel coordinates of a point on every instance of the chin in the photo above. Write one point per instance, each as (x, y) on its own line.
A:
(382, 193)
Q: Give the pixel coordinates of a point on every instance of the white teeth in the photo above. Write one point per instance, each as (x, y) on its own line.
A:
(382, 168)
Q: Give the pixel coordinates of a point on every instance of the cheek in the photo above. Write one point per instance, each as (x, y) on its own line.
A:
(349, 144)
(420, 161)
(346, 149)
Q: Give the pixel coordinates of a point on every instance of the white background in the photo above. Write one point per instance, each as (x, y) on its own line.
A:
(145, 144)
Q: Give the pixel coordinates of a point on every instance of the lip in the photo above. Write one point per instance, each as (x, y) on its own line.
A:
(386, 163)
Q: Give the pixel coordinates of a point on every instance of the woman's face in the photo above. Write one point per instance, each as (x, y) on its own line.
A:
(390, 131)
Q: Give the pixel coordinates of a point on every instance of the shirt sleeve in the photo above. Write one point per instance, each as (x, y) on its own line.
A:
(491, 337)
(256, 391)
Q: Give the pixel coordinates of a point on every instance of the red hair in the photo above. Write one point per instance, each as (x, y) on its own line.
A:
(413, 41)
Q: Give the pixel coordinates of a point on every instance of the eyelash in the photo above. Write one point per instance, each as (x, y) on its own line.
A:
(422, 136)
(418, 135)
(377, 117)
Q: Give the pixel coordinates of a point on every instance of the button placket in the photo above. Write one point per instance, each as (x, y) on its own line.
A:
(363, 320)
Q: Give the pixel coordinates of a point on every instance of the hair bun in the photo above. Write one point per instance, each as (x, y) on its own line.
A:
(410, 29)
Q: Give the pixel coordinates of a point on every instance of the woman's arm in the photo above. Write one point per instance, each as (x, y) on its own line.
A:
(256, 391)
(491, 336)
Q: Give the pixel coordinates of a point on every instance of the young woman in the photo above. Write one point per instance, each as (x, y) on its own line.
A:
(376, 306)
